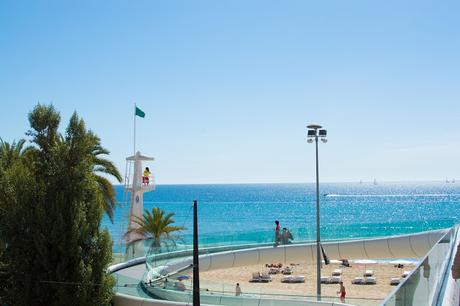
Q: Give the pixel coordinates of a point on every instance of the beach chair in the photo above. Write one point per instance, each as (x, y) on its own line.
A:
(265, 278)
(370, 281)
(286, 279)
(255, 277)
(273, 271)
(405, 274)
(325, 279)
(298, 279)
(358, 281)
(335, 280)
(293, 279)
(394, 281)
(368, 273)
(337, 272)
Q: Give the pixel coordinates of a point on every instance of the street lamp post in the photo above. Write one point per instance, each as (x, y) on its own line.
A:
(315, 131)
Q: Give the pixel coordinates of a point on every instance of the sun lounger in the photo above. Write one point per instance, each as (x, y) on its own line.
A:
(293, 279)
(337, 272)
(335, 279)
(255, 277)
(265, 277)
(368, 273)
(370, 281)
(260, 278)
(325, 279)
(364, 280)
(405, 274)
(394, 281)
(273, 271)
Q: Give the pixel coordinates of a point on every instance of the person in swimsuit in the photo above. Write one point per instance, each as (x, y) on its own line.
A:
(277, 232)
(342, 292)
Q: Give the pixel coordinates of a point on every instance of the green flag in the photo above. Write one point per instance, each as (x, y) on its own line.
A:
(139, 112)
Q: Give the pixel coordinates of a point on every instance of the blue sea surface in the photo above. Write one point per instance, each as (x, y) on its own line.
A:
(245, 213)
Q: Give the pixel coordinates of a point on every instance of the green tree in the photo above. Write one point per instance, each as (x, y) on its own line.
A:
(11, 152)
(51, 206)
(157, 226)
(106, 168)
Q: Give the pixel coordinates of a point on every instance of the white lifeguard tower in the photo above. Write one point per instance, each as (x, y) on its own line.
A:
(136, 184)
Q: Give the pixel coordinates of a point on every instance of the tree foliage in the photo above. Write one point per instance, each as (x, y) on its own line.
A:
(52, 198)
(157, 226)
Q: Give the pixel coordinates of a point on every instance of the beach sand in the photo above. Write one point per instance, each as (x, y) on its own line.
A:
(225, 280)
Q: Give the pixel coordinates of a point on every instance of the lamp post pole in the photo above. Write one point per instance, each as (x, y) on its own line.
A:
(196, 269)
(318, 234)
(314, 130)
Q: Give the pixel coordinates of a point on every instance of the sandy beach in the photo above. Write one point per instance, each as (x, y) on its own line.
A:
(225, 280)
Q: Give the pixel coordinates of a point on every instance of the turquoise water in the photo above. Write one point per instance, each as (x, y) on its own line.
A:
(246, 213)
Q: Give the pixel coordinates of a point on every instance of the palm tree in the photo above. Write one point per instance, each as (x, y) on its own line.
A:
(105, 167)
(102, 168)
(11, 152)
(157, 225)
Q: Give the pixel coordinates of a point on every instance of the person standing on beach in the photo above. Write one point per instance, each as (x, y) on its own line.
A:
(342, 292)
(286, 236)
(238, 289)
(277, 232)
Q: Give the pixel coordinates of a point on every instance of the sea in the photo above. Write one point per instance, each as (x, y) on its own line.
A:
(245, 213)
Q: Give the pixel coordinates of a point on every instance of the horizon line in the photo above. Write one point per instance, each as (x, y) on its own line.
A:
(301, 183)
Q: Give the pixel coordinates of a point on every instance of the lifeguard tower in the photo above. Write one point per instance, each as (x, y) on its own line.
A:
(135, 187)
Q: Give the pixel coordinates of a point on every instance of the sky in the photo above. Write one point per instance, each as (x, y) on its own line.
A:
(228, 87)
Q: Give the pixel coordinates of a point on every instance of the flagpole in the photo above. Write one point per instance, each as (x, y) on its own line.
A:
(134, 129)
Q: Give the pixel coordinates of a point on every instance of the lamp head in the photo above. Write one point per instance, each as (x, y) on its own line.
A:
(309, 140)
(314, 126)
(311, 133)
(324, 140)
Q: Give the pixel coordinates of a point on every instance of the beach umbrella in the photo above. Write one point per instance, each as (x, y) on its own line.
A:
(182, 277)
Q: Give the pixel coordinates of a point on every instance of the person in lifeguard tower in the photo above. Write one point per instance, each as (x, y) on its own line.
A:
(145, 177)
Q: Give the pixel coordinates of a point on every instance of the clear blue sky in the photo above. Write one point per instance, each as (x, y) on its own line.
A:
(228, 86)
